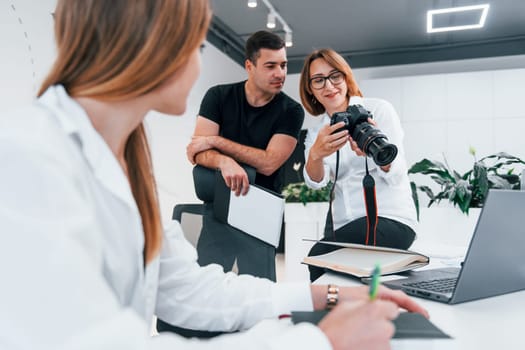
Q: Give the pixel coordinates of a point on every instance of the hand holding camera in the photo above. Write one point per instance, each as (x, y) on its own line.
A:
(367, 138)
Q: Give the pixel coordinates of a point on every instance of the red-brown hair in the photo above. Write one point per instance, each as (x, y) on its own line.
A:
(120, 49)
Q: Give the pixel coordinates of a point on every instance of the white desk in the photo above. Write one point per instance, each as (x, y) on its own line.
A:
(492, 323)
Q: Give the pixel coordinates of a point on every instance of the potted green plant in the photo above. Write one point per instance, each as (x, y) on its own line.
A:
(298, 192)
(467, 190)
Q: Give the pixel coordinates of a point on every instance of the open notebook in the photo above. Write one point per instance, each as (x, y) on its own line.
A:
(359, 260)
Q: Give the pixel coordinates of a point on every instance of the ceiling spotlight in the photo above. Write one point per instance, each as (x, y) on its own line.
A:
(273, 17)
(483, 16)
(288, 39)
(252, 3)
(271, 20)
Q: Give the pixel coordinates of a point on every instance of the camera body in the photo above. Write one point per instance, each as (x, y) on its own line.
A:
(369, 139)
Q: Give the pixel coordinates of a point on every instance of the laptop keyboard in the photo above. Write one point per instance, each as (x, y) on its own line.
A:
(441, 285)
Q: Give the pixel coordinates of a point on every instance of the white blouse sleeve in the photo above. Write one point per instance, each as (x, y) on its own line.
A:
(207, 298)
(311, 135)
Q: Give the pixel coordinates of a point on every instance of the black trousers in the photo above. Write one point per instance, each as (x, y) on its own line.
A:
(223, 244)
(389, 233)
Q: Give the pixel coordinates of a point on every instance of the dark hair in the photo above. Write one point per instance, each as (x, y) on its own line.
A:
(337, 61)
(261, 40)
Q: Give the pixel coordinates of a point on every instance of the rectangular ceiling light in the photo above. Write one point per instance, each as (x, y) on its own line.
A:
(430, 15)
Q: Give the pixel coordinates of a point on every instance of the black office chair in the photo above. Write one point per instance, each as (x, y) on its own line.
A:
(190, 217)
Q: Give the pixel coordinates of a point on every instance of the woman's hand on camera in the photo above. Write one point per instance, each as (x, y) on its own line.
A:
(329, 141)
(353, 145)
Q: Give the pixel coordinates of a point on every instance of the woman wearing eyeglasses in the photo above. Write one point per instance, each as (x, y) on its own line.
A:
(327, 86)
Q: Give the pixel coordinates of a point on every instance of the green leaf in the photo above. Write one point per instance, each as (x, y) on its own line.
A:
(498, 182)
(457, 175)
(415, 198)
(461, 190)
(422, 165)
(298, 192)
(480, 181)
(442, 180)
(427, 190)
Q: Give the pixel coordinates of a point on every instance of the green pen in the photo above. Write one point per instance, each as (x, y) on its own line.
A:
(374, 284)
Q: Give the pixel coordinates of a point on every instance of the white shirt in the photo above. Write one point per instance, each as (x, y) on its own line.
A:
(71, 245)
(394, 199)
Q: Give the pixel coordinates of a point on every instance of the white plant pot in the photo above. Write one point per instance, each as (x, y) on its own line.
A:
(301, 221)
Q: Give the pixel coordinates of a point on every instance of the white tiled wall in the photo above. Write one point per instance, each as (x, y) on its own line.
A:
(423, 98)
(448, 113)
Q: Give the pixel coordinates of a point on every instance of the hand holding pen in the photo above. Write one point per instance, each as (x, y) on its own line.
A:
(374, 284)
(357, 323)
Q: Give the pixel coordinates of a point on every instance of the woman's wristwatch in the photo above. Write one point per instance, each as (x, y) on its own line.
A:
(332, 296)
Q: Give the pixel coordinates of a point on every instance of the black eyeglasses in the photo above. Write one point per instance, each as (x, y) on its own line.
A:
(319, 82)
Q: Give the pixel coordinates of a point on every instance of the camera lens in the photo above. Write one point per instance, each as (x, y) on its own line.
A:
(383, 152)
(374, 144)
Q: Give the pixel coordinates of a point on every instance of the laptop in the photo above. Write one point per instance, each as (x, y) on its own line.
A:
(494, 263)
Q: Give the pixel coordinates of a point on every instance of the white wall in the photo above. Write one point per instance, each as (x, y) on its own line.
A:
(26, 41)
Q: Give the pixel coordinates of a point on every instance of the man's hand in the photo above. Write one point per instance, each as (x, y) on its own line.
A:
(235, 177)
(197, 144)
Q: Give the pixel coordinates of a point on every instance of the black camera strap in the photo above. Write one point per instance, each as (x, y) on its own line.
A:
(370, 202)
(329, 217)
(369, 189)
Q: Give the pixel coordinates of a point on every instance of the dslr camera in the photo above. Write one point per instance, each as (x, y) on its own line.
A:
(368, 138)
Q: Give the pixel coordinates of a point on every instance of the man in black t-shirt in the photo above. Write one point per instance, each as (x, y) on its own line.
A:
(251, 122)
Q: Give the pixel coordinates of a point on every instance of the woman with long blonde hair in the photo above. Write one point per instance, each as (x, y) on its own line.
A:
(85, 263)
